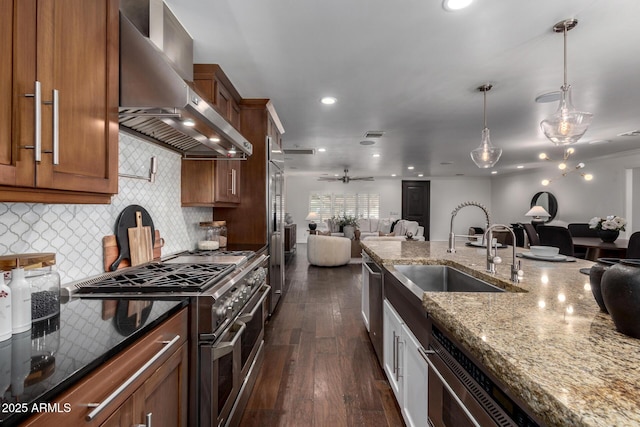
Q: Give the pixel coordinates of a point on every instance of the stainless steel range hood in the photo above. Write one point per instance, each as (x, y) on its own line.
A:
(157, 99)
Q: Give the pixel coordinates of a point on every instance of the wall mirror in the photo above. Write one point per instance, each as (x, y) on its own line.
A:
(547, 201)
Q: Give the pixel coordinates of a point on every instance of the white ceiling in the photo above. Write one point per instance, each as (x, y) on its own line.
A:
(411, 69)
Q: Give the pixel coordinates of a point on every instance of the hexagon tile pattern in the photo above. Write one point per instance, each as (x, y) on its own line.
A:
(74, 232)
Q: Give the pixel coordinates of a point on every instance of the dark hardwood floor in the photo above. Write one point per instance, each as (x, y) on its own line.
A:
(320, 368)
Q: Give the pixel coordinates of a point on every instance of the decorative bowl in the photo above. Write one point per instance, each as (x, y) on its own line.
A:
(548, 251)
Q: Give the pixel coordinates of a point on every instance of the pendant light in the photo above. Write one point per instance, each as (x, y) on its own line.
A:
(486, 155)
(566, 125)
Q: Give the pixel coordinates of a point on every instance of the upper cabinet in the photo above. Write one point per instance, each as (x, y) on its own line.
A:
(59, 105)
(213, 84)
(210, 182)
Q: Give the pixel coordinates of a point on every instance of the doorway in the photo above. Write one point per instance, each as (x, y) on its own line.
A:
(416, 197)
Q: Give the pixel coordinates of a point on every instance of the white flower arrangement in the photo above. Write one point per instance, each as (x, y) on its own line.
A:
(610, 223)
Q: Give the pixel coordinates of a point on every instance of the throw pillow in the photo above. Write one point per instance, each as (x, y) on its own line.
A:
(393, 224)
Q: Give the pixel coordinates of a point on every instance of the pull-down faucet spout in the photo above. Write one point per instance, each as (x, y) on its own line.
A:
(452, 236)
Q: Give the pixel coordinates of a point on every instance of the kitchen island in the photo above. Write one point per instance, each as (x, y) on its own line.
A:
(544, 338)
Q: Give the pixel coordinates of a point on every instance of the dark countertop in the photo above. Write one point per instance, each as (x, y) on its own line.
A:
(85, 334)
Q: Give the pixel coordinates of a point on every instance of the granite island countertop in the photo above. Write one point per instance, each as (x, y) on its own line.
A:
(546, 340)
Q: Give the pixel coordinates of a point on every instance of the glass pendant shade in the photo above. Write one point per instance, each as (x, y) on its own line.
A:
(486, 155)
(566, 125)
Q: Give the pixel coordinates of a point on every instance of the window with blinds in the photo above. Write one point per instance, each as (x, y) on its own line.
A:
(360, 205)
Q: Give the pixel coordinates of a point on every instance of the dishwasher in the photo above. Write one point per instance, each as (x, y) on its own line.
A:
(372, 309)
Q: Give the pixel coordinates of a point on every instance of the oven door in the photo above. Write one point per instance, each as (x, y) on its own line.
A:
(220, 375)
(253, 315)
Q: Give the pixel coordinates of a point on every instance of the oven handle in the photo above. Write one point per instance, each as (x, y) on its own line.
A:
(99, 407)
(226, 347)
(425, 355)
(248, 316)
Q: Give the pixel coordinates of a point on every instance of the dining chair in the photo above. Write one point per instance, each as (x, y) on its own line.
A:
(532, 235)
(581, 229)
(560, 237)
(633, 247)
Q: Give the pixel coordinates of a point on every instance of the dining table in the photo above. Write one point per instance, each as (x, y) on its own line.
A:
(596, 248)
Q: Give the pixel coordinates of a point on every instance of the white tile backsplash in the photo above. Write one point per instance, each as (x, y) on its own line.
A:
(74, 232)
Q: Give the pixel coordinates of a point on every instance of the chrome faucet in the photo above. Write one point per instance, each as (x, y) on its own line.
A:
(452, 236)
(492, 253)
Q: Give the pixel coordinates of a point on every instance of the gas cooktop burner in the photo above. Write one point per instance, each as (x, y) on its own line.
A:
(160, 278)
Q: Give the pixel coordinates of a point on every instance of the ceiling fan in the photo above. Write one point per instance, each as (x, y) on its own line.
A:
(346, 178)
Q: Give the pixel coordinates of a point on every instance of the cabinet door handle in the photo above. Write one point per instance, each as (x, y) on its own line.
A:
(397, 344)
(99, 407)
(395, 354)
(233, 182)
(56, 127)
(37, 122)
(370, 270)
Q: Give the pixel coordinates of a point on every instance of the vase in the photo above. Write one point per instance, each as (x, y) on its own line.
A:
(595, 279)
(349, 231)
(608, 236)
(621, 295)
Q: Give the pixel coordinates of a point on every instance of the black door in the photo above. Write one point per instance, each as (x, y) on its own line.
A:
(416, 196)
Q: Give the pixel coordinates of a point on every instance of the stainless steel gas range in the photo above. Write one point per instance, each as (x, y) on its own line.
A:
(230, 297)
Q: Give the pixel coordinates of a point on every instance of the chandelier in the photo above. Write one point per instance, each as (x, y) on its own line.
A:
(564, 168)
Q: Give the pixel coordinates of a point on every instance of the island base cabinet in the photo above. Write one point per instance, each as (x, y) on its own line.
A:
(405, 368)
(148, 381)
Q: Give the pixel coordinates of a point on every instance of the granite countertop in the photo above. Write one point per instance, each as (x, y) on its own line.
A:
(546, 340)
(57, 353)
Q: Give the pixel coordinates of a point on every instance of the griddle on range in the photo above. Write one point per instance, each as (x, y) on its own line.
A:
(160, 278)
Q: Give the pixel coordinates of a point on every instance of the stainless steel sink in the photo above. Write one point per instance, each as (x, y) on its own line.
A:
(440, 278)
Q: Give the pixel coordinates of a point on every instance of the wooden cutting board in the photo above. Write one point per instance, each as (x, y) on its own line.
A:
(111, 252)
(140, 246)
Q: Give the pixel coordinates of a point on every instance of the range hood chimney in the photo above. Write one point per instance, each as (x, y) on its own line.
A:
(157, 99)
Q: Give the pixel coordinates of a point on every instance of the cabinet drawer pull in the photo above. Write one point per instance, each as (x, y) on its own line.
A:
(233, 182)
(56, 128)
(131, 379)
(374, 273)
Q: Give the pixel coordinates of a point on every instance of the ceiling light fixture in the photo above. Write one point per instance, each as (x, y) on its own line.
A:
(214, 139)
(566, 125)
(376, 155)
(453, 5)
(393, 174)
(563, 166)
(188, 122)
(321, 150)
(410, 168)
(328, 100)
(486, 155)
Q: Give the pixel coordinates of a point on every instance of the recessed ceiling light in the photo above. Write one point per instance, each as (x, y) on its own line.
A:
(322, 150)
(453, 5)
(393, 174)
(335, 174)
(367, 142)
(214, 139)
(376, 155)
(494, 172)
(420, 174)
(328, 100)
(520, 167)
(410, 168)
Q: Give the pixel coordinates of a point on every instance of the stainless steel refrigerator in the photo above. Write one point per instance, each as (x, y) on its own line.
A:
(275, 233)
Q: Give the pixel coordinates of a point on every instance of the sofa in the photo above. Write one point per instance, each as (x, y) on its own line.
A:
(400, 230)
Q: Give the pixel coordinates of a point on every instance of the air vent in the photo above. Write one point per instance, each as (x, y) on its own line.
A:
(299, 151)
(630, 133)
(374, 134)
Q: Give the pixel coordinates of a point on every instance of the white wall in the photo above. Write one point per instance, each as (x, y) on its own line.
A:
(446, 194)
(578, 200)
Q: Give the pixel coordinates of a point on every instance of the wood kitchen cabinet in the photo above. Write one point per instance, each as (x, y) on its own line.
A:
(248, 222)
(59, 105)
(215, 183)
(160, 389)
(214, 85)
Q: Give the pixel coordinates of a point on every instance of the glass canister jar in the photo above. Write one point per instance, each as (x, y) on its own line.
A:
(215, 231)
(42, 278)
